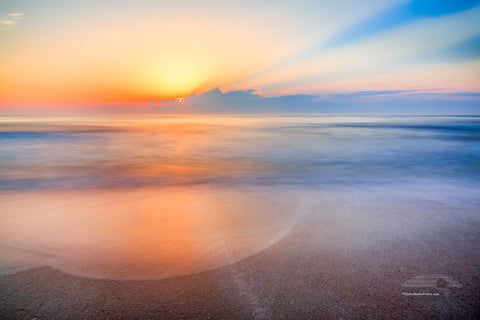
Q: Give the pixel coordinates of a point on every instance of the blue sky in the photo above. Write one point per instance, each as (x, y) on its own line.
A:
(120, 55)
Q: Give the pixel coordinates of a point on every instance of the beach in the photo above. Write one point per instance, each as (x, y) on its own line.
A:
(331, 218)
(329, 266)
(239, 160)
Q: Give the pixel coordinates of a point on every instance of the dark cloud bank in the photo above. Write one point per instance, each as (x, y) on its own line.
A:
(248, 102)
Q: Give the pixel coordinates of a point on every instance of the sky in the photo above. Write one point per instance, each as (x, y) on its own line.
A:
(239, 56)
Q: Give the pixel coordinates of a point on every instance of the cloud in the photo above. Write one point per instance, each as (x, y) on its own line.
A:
(466, 94)
(464, 51)
(371, 93)
(9, 21)
(399, 15)
(239, 101)
(250, 102)
(357, 56)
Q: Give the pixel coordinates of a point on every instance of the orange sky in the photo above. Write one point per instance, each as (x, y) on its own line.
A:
(103, 53)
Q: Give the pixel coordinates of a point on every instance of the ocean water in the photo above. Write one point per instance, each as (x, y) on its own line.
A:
(144, 197)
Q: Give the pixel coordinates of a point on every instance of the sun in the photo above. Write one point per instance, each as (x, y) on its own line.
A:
(174, 75)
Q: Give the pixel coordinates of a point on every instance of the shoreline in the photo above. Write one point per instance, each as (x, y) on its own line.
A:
(300, 277)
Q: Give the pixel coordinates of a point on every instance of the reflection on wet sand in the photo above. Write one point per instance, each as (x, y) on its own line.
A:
(140, 197)
(328, 215)
(142, 234)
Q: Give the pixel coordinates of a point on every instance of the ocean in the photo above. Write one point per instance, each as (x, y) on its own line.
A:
(155, 196)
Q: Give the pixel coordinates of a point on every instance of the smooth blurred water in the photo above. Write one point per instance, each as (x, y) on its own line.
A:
(60, 153)
(142, 197)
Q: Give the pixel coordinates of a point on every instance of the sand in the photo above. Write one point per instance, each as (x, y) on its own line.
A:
(321, 270)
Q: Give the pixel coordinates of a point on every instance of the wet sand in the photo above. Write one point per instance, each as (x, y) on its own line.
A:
(343, 261)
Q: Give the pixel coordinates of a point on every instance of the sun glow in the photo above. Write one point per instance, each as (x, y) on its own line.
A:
(174, 75)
